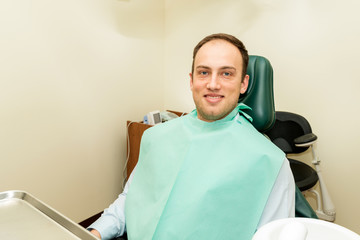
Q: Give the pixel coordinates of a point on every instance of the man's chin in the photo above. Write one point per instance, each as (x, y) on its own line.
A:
(210, 117)
(213, 114)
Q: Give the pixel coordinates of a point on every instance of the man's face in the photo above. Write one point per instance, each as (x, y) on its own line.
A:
(216, 82)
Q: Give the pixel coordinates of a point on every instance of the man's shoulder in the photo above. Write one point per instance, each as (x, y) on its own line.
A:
(256, 138)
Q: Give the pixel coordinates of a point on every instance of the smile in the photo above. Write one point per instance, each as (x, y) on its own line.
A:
(213, 98)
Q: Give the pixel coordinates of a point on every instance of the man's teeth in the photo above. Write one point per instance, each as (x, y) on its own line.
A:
(214, 97)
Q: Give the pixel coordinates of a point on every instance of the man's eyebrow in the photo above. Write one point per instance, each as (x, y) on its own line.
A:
(202, 66)
(222, 68)
(228, 67)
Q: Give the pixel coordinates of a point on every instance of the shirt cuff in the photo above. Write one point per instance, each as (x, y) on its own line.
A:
(107, 226)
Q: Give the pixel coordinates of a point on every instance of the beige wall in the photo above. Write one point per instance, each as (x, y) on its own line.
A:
(71, 74)
(314, 49)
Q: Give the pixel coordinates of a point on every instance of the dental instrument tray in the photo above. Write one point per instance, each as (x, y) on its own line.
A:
(22, 216)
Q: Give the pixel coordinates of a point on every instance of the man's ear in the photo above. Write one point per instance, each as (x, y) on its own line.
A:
(191, 81)
(244, 84)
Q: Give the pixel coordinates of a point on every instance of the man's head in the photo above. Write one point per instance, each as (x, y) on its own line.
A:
(218, 75)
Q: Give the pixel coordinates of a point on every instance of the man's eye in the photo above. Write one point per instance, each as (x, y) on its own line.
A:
(204, 73)
(227, 74)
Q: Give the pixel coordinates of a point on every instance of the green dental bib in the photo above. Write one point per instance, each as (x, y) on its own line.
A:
(200, 180)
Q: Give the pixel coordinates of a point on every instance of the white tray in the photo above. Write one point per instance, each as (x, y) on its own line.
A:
(22, 216)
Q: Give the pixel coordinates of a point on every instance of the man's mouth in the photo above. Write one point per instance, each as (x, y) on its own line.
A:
(213, 97)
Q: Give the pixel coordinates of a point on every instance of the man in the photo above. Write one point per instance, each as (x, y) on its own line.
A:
(207, 175)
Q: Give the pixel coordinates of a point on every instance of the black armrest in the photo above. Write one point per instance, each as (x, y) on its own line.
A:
(305, 140)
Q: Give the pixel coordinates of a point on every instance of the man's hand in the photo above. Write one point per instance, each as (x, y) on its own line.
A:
(96, 233)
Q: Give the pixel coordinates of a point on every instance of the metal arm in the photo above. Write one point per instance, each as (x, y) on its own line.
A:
(327, 212)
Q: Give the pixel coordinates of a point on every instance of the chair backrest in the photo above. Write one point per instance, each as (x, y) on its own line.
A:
(259, 95)
(287, 127)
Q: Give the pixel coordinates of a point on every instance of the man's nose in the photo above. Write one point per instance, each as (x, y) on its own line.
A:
(214, 82)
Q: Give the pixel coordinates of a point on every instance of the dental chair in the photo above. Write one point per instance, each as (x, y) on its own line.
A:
(259, 96)
(292, 133)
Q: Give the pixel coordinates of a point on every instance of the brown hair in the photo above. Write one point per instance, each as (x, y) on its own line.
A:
(229, 38)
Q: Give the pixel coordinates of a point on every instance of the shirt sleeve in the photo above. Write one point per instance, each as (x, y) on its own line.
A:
(111, 224)
(281, 202)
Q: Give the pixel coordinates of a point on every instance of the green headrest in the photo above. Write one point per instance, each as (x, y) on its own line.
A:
(260, 95)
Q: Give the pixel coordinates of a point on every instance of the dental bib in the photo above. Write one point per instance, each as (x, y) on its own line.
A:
(201, 180)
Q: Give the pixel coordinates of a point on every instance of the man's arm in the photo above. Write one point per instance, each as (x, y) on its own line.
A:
(111, 224)
(281, 202)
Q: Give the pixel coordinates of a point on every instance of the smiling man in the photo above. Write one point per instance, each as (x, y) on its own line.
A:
(209, 174)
